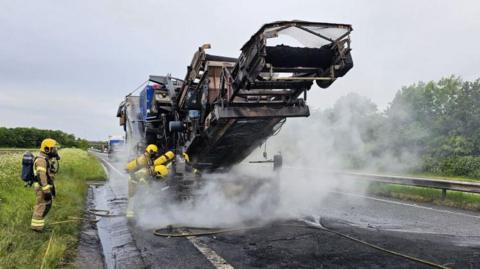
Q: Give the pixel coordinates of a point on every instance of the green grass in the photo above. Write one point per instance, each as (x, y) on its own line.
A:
(470, 201)
(463, 200)
(19, 246)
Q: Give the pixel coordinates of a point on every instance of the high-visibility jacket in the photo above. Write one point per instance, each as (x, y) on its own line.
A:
(142, 175)
(41, 170)
(142, 161)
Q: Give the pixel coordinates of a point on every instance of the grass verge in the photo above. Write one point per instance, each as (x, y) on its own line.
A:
(19, 246)
(469, 201)
(464, 200)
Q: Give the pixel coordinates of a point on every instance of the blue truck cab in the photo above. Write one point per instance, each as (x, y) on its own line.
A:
(115, 146)
(156, 110)
(146, 101)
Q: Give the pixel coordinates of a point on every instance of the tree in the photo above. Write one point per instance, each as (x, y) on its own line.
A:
(32, 137)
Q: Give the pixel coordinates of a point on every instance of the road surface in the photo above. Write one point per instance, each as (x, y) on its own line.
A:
(439, 235)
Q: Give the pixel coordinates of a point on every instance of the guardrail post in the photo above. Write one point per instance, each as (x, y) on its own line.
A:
(444, 194)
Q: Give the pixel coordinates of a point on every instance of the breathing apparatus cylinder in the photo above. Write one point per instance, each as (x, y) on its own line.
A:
(165, 158)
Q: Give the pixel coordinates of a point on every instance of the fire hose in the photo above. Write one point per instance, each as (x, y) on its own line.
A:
(321, 226)
(101, 213)
(185, 231)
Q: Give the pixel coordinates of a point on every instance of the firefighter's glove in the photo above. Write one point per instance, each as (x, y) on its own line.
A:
(47, 194)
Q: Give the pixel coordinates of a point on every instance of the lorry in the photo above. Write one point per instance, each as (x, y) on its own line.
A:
(225, 107)
(115, 146)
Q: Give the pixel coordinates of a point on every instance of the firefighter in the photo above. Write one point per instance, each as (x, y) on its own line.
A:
(188, 165)
(146, 159)
(143, 169)
(43, 183)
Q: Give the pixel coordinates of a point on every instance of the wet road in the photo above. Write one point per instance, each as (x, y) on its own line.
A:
(441, 235)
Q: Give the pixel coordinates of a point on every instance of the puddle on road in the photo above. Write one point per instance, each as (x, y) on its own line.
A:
(119, 248)
(89, 250)
(117, 243)
(102, 225)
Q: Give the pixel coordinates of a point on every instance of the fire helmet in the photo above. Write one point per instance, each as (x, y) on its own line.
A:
(48, 145)
(161, 170)
(151, 149)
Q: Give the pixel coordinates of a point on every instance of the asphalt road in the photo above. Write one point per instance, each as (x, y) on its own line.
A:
(441, 235)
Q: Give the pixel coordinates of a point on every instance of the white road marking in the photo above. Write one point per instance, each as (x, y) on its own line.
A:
(407, 204)
(215, 259)
(113, 167)
(105, 169)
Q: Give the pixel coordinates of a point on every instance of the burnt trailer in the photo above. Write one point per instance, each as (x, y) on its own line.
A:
(226, 107)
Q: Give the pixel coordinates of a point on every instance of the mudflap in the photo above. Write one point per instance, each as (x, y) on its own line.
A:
(186, 186)
(183, 186)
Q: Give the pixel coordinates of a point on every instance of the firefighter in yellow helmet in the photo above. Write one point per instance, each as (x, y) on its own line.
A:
(143, 169)
(144, 160)
(42, 170)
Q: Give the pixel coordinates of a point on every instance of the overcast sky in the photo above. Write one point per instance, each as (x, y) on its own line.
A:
(68, 64)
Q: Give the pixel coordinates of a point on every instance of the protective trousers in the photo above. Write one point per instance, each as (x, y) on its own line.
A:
(132, 188)
(134, 182)
(40, 210)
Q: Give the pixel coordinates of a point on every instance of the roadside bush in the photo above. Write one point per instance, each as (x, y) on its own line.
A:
(467, 166)
(32, 137)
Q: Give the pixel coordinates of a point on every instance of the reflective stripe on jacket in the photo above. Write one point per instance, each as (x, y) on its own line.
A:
(40, 170)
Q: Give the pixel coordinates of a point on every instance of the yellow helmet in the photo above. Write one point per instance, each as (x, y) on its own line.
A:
(48, 145)
(161, 170)
(186, 157)
(152, 148)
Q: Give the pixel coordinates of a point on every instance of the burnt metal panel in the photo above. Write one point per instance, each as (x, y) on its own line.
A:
(288, 23)
(230, 142)
(261, 112)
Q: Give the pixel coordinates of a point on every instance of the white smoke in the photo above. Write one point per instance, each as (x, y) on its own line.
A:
(253, 193)
(224, 200)
(247, 195)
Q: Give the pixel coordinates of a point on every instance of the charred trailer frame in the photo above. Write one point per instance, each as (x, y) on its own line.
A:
(230, 106)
